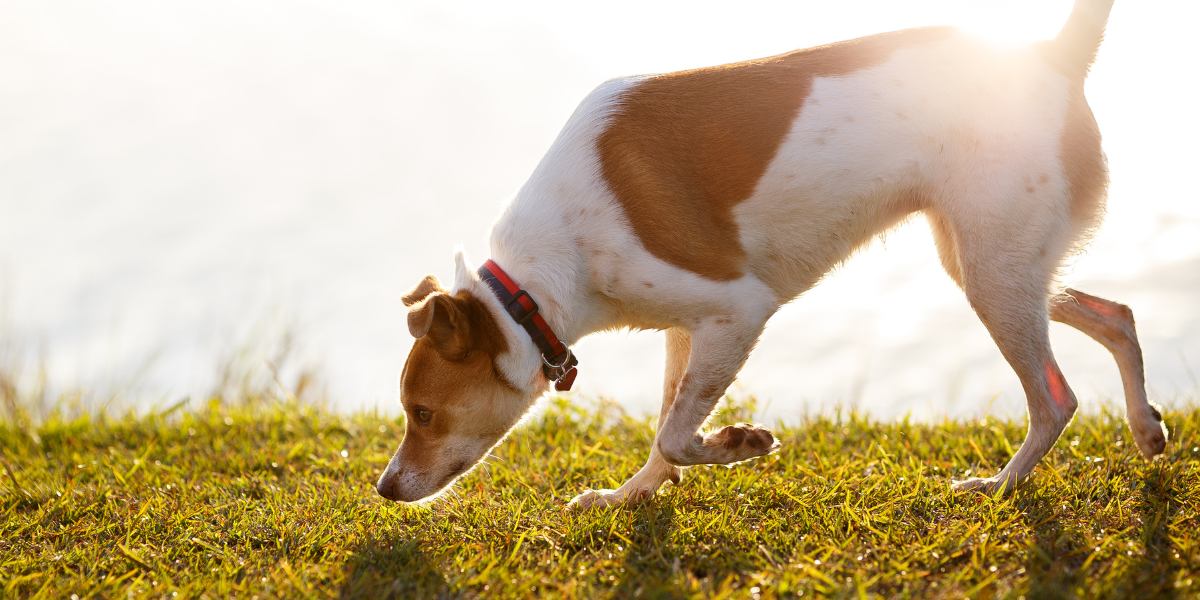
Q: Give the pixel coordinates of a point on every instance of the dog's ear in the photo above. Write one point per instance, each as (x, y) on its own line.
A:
(427, 286)
(445, 321)
(464, 277)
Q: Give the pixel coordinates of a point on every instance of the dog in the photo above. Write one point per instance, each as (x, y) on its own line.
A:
(699, 202)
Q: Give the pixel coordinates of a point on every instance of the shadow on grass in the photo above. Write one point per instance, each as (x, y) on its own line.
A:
(1056, 565)
(651, 562)
(399, 569)
(1055, 560)
(1153, 575)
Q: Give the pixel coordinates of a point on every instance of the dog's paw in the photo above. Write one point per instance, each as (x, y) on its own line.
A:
(605, 498)
(984, 485)
(743, 441)
(1150, 433)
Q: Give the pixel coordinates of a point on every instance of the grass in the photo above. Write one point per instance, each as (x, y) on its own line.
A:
(277, 500)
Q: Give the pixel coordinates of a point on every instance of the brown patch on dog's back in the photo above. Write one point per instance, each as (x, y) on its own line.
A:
(683, 149)
(1083, 161)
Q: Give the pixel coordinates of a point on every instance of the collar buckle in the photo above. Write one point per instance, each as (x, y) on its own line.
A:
(517, 309)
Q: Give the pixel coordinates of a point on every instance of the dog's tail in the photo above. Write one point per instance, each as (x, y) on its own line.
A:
(1076, 45)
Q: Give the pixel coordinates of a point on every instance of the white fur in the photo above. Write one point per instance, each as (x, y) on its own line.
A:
(936, 117)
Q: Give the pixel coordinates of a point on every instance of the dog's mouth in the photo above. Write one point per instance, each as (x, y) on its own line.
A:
(457, 469)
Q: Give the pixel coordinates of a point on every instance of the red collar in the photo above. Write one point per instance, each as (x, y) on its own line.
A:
(558, 363)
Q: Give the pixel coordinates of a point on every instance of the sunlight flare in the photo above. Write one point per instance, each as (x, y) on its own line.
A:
(1012, 23)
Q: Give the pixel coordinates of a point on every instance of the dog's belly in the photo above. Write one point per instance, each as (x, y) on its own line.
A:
(804, 234)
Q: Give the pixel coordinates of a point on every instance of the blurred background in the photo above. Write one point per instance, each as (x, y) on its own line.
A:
(187, 184)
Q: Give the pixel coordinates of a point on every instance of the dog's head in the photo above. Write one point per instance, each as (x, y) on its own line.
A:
(466, 382)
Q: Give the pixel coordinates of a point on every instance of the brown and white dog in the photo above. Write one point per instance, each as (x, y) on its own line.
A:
(701, 201)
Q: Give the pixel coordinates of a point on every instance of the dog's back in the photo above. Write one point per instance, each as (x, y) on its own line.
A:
(778, 168)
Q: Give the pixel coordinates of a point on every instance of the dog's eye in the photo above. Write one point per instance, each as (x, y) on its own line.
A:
(423, 415)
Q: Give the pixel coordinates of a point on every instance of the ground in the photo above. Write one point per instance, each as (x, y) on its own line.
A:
(277, 499)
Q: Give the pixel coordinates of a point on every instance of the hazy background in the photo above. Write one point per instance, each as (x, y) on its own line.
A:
(183, 180)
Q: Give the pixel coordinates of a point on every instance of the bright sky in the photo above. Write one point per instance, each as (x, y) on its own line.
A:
(172, 172)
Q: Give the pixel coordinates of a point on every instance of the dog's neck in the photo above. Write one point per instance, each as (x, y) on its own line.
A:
(557, 283)
(543, 258)
(538, 244)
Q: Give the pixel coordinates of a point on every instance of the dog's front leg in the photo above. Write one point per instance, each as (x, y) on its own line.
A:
(657, 470)
(720, 347)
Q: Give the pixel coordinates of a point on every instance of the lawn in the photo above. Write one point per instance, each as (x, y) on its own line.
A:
(277, 499)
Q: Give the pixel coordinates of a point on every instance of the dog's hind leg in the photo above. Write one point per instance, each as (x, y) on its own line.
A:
(1112, 325)
(1005, 266)
(657, 470)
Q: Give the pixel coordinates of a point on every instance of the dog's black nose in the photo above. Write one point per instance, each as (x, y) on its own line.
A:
(387, 488)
